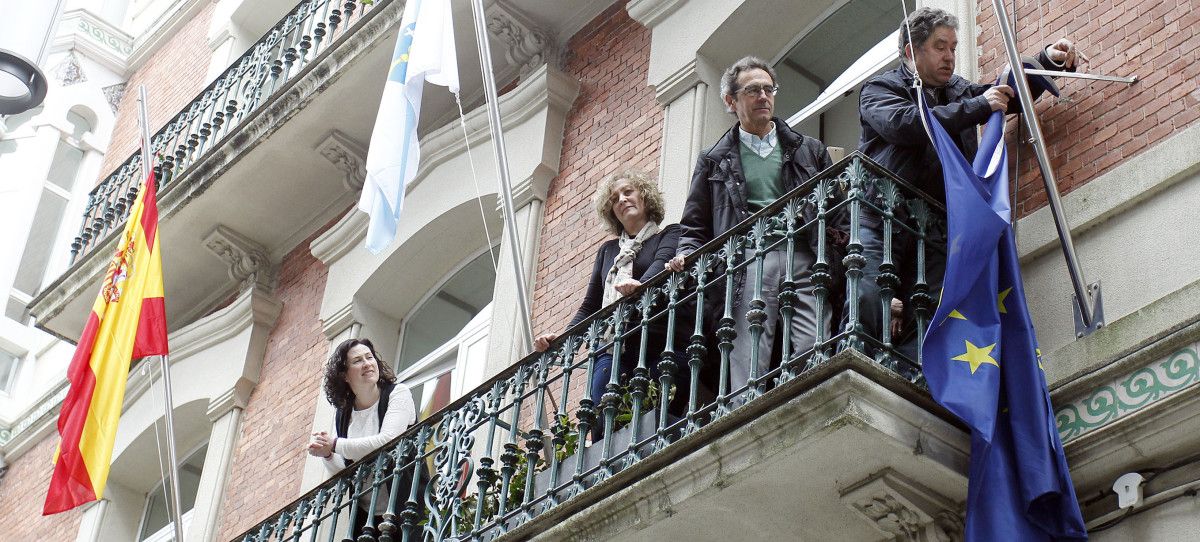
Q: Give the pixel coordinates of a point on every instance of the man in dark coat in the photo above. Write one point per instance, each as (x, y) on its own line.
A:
(894, 136)
(758, 160)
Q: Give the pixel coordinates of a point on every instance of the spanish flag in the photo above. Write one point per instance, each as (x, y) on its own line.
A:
(128, 321)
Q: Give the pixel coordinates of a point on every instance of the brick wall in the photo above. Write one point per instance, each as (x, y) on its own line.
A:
(22, 493)
(268, 462)
(1104, 124)
(615, 124)
(173, 76)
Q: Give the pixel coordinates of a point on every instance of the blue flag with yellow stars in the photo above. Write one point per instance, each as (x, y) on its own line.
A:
(981, 359)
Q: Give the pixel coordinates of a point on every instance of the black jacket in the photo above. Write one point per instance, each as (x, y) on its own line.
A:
(717, 199)
(892, 133)
(655, 252)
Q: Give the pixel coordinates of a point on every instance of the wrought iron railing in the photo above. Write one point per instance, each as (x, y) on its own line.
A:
(518, 445)
(282, 54)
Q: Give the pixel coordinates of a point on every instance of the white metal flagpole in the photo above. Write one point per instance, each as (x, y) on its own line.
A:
(510, 227)
(173, 468)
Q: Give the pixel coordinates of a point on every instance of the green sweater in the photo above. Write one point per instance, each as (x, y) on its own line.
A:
(763, 184)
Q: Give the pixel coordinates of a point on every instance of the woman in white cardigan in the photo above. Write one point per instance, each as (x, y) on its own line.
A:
(371, 410)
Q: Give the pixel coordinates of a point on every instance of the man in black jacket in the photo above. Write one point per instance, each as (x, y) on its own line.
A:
(893, 135)
(758, 160)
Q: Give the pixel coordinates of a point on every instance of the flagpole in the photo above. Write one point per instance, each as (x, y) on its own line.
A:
(510, 227)
(164, 362)
(1082, 297)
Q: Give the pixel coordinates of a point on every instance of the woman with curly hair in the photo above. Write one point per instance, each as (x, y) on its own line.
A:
(630, 206)
(371, 410)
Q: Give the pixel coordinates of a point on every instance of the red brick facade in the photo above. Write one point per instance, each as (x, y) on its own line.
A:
(268, 460)
(616, 124)
(22, 493)
(1104, 124)
(173, 76)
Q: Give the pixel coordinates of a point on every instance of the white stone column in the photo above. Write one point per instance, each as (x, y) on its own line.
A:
(225, 412)
(505, 341)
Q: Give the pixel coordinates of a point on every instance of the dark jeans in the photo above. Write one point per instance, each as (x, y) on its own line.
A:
(602, 373)
(871, 305)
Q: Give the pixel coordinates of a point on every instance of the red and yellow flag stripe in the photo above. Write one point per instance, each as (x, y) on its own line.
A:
(128, 321)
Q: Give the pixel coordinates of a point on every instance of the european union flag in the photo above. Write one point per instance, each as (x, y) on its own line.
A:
(981, 359)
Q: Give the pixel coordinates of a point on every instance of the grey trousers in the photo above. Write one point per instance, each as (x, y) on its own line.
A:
(803, 326)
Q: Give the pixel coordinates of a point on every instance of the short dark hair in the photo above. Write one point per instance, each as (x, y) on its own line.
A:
(337, 391)
(922, 23)
(730, 77)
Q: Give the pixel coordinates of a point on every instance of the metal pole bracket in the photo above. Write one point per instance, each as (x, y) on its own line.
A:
(1096, 302)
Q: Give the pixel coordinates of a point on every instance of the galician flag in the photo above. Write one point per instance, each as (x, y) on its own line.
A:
(424, 52)
(128, 321)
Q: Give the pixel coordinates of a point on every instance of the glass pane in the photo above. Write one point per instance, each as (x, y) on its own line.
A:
(433, 395)
(449, 309)
(64, 167)
(189, 483)
(38, 246)
(8, 370)
(837, 56)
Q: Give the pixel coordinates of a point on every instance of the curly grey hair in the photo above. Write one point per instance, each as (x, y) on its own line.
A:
(922, 23)
(729, 78)
(652, 198)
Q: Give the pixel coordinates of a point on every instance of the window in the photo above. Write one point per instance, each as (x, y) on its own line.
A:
(8, 370)
(454, 368)
(821, 75)
(48, 217)
(451, 307)
(156, 521)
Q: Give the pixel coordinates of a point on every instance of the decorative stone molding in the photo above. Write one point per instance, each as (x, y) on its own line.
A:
(347, 156)
(248, 262)
(1130, 392)
(904, 509)
(69, 72)
(528, 46)
(114, 93)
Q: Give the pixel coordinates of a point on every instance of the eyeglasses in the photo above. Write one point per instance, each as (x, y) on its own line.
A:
(755, 90)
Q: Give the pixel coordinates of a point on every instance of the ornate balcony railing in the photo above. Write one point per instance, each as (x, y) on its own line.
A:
(518, 445)
(282, 54)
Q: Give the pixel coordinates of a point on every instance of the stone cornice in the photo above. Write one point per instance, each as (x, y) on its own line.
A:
(84, 31)
(651, 12)
(340, 238)
(253, 306)
(339, 321)
(543, 88)
(236, 397)
(36, 423)
(683, 80)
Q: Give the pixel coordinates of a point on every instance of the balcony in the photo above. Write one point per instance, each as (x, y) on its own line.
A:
(828, 438)
(273, 150)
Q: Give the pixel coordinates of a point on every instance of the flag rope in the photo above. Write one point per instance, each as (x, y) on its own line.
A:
(462, 121)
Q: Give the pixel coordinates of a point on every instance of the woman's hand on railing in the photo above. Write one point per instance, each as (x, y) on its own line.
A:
(321, 445)
(542, 342)
(627, 286)
(676, 263)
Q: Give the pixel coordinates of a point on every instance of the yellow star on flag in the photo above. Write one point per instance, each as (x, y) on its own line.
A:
(1000, 299)
(954, 313)
(976, 356)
